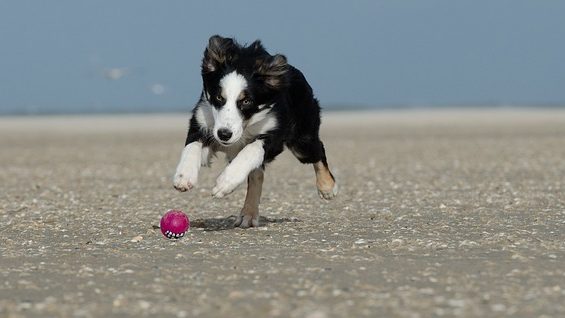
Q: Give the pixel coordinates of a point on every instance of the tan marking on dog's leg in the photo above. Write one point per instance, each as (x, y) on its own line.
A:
(249, 216)
(327, 187)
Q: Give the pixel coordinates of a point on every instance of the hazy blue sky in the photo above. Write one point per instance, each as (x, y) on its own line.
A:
(145, 55)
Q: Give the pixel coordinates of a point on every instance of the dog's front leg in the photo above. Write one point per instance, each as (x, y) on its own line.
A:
(248, 159)
(186, 175)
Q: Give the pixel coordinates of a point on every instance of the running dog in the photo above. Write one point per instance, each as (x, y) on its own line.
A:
(252, 105)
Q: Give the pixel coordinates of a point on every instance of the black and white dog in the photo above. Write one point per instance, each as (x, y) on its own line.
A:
(252, 105)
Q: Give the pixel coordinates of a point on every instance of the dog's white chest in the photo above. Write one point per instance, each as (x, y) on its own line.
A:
(230, 151)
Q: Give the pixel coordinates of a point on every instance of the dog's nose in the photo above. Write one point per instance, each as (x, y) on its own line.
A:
(224, 134)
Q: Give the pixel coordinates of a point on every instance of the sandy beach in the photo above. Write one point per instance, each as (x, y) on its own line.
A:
(440, 213)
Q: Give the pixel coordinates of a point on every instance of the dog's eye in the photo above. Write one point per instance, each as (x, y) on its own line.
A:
(246, 102)
(219, 98)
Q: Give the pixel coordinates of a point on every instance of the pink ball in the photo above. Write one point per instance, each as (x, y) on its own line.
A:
(174, 224)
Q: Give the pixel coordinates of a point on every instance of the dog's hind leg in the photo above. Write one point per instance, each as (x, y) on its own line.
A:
(249, 215)
(325, 181)
(311, 150)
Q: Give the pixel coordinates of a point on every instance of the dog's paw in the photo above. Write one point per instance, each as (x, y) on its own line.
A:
(246, 220)
(206, 158)
(226, 183)
(328, 193)
(184, 181)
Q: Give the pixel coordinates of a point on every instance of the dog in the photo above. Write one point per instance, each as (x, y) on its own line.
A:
(252, 105)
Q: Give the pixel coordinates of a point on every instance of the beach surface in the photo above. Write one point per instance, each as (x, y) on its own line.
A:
(440, 213)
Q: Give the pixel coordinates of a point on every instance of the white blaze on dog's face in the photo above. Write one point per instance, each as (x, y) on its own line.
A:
(228, 120)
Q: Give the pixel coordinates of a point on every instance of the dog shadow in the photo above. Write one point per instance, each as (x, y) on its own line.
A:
(221, 224)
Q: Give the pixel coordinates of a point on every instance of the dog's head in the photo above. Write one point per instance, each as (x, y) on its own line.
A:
(241, 82)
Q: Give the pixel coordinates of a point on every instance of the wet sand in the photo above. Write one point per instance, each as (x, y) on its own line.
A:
(440, 213)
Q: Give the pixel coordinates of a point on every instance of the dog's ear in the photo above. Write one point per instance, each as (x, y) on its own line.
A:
(219, 51)
(257, 47)
(273, 70)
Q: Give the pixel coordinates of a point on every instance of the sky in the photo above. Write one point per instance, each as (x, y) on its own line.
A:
(70, 56)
